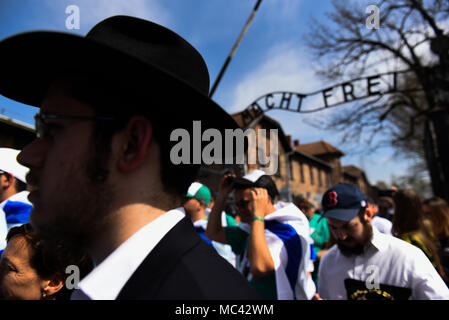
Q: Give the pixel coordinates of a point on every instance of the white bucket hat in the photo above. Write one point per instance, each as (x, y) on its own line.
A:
(9, 164)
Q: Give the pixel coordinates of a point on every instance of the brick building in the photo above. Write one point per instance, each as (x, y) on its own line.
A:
(304, 169)
(357, 176)
(283, 151)
(310, 176)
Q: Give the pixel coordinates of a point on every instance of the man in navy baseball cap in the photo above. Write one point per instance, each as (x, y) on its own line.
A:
(366, 264)
(344, 207)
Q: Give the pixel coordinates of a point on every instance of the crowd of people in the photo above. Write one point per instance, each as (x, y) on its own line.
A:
(284, 250)
(97, 190)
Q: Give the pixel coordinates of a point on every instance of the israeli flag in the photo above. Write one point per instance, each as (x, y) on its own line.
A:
(14, 211)
(288, 238)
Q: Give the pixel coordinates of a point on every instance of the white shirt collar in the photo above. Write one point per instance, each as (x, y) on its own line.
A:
(378, 240)
(107, 280)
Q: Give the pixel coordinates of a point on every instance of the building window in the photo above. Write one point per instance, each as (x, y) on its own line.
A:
(320, 180)
(301, 172)
(311, 176)
(291, 170)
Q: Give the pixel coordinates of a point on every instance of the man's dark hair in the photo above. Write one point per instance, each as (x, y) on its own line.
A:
(50, 258)
(302, 203)
(121, 103)
(361, 215)
(263, 182)
(20, 186)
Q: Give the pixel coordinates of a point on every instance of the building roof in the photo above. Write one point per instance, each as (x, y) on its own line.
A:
(354, 171)
(245, 122)
(319, 148)
(16, 123)
(312, 158)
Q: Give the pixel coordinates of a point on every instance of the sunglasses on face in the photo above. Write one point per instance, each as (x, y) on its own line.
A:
(42, 126)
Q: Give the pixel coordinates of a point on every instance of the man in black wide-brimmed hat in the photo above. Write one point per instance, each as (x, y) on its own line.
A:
(100, 166)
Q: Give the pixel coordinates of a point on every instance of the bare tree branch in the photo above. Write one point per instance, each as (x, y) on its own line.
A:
(349, 48)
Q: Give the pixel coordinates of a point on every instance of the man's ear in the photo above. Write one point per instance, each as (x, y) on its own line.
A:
(138, 134)
(270, 201)
(52, 286)
(7, 180)
(369, 214)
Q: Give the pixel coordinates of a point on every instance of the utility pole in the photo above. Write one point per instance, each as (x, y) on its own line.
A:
(234, 48)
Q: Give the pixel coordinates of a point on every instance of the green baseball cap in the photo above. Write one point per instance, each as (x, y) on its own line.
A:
(200, 192)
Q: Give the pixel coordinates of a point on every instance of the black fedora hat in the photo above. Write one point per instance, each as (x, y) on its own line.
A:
(140, 54)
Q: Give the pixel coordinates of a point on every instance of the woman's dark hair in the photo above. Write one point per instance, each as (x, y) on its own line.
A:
(438, 214)
(51, 258)
(409, 217)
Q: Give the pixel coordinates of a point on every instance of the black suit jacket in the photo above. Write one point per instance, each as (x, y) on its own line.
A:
(183, 266)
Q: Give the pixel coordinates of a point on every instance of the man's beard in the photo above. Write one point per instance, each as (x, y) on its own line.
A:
(78, 220)
(359, 248)
(79, 217)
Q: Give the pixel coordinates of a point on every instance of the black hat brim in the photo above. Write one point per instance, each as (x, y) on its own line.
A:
(29, 62)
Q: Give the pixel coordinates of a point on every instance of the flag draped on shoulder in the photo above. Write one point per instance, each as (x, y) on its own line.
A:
(288, 238)
(17, 209)
(200, 227)
(14, 211)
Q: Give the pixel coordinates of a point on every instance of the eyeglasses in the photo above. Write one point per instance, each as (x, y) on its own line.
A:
(42, 127)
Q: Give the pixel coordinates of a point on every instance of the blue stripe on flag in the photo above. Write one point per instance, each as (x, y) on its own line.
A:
(292, 243)
(17, 212)
(201, 231)
(312, 252)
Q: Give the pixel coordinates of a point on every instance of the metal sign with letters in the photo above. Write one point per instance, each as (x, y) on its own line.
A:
(349, 91)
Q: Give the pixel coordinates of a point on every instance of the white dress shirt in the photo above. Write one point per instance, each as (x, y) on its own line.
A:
(107, 280)
(382, 224)
(396, 262)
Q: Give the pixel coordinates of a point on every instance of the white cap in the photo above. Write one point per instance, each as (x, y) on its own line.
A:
(254, 175)
(194, 187)
(8, 163)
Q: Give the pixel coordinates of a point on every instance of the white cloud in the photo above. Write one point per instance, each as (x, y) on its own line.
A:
(385, 159)
(285, 68)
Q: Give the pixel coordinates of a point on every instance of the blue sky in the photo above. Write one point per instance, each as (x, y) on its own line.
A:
(271, 57)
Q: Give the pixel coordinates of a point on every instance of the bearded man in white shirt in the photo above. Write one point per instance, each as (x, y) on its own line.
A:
(366, 264)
